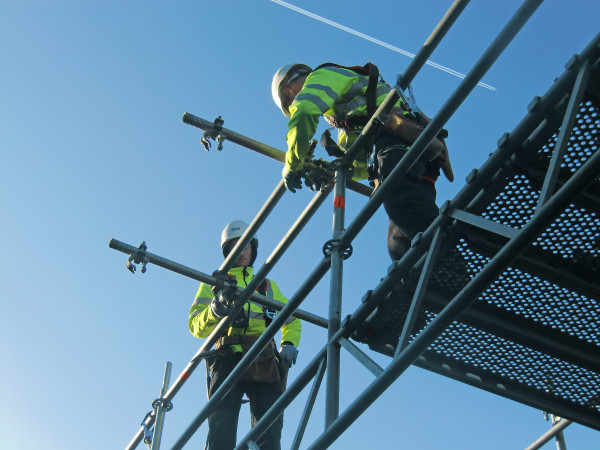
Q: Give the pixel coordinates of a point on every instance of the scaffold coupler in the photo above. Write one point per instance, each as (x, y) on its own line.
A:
(138, 257)
(214, 134)
(148, 431)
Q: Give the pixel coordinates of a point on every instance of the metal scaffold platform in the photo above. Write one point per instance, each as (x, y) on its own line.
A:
(501, 292)
(533, 333)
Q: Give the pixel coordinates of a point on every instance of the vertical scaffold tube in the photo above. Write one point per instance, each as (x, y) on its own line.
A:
(162, 408)
(335, 299)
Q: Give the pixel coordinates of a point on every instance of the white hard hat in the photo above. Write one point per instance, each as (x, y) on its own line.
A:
(281, 78)
(234, 230)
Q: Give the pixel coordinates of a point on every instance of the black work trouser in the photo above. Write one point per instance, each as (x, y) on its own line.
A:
(410, 204)
(223, 422)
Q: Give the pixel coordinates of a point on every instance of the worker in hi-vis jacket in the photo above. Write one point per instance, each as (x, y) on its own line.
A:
(347, 97)
(264, 381)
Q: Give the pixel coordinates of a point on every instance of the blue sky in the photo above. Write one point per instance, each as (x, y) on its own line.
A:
(92, 147)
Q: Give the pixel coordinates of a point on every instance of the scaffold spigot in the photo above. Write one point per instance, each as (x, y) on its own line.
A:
(214, 134)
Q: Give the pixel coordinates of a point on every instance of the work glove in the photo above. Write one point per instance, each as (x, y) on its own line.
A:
(292, 180)
(288, 354)
(220, 304)
(229, 291)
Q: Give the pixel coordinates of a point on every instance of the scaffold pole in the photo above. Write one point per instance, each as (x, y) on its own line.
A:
(332, 396)
(162, 408)
(263, 149)
(555, 431)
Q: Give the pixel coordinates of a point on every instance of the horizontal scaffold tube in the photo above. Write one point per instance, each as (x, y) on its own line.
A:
(208, 279)
(261, 148)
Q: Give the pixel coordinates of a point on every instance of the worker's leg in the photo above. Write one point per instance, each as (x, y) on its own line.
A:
(410, 203)
(223, 422)
(262, 396)
(397, 241)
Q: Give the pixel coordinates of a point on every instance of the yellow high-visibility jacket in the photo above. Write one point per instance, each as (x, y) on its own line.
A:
(202, 320)
(331, 92)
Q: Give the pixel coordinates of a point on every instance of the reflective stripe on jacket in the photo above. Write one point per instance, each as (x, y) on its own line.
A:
(328, 91)
(202, 321)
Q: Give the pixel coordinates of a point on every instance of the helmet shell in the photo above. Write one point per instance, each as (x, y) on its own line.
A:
(281, 78)
(236, 229)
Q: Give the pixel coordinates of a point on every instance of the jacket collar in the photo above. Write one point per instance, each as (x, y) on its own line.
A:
(238, 272)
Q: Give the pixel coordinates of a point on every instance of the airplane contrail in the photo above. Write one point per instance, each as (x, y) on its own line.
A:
(376, 41)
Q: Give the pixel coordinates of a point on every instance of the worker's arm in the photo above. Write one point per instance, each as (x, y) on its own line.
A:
(290, 332)
(202, 320)
(321, 90)
(302, 127)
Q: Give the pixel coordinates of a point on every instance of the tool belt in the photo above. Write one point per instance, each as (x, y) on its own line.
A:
(265, 368)
(399, 123)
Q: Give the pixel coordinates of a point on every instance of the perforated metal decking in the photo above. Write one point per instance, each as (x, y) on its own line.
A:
(533, 334)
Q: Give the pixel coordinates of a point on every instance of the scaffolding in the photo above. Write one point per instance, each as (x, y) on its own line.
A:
(501, 292)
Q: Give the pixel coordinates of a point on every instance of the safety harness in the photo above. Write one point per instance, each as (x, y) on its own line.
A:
(268, 313)
(371, 71)
(408, 109)
(352, 123)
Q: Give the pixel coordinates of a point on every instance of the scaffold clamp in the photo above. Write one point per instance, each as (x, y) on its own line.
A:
(319, 175)
(331, 244)
(139, 256)
(214, 134)
(222, 279)
(147, 431)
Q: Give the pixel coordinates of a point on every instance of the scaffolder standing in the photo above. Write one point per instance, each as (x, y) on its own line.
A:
(263, 382)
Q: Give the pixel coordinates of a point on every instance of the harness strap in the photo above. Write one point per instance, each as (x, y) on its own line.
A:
(372, 72)
(236, 339)
(246, 341)
(372, 89)
(268, 313)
